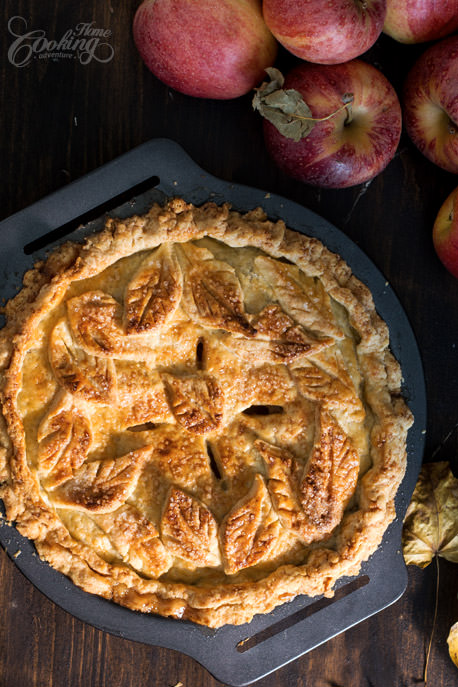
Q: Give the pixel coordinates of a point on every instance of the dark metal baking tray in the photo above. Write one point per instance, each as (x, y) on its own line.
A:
(234, 655)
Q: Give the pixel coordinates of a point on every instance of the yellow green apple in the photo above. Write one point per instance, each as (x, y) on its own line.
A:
(445, 233)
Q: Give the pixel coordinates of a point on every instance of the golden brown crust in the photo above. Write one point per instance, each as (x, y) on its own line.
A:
(201, 416)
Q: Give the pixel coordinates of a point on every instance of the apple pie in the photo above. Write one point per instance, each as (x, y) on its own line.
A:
(201, 415)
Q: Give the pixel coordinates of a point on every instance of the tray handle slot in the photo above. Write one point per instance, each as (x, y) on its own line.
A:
(286, 623)
(91, 215)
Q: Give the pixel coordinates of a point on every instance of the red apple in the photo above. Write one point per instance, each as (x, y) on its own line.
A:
(431, 104)
(350, 147)
(325, 32)
(417, 21)
(445, 233)
(206, 49)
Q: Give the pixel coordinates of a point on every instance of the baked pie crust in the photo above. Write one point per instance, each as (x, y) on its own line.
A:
(201, 414)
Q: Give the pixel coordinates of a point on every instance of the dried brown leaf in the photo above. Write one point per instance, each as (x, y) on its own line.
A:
(431, 531)
(285, 109)
(431, 522)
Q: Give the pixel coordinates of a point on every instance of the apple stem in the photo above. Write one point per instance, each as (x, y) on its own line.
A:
(347, 102)
(349, 117)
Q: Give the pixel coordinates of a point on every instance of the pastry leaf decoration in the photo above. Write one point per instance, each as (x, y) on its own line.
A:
(64, 438)
(275, 324)
(84, 375)
(260, 351)
(278, 339)
(196, 401)
(302, 298)
(282, 485)
(141, 395)
(154, 292)
(329, 478)
(317, 385)
(136, 539)
(431, 532)
(212, 295)
(287, 110)
(312, 504)
(189, 529)
(95, 319)
(250, 530)
(102, 486)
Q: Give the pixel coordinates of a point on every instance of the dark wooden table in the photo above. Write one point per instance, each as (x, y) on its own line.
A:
(59, 120)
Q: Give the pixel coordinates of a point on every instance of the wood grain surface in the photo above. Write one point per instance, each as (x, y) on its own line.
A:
(61, 119)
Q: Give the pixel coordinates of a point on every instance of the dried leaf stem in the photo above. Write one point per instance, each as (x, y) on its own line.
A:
(436, 604)
(346, 104)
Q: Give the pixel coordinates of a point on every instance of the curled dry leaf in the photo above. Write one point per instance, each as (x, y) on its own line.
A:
(431, 522)
(431, 529)
(286, 110)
